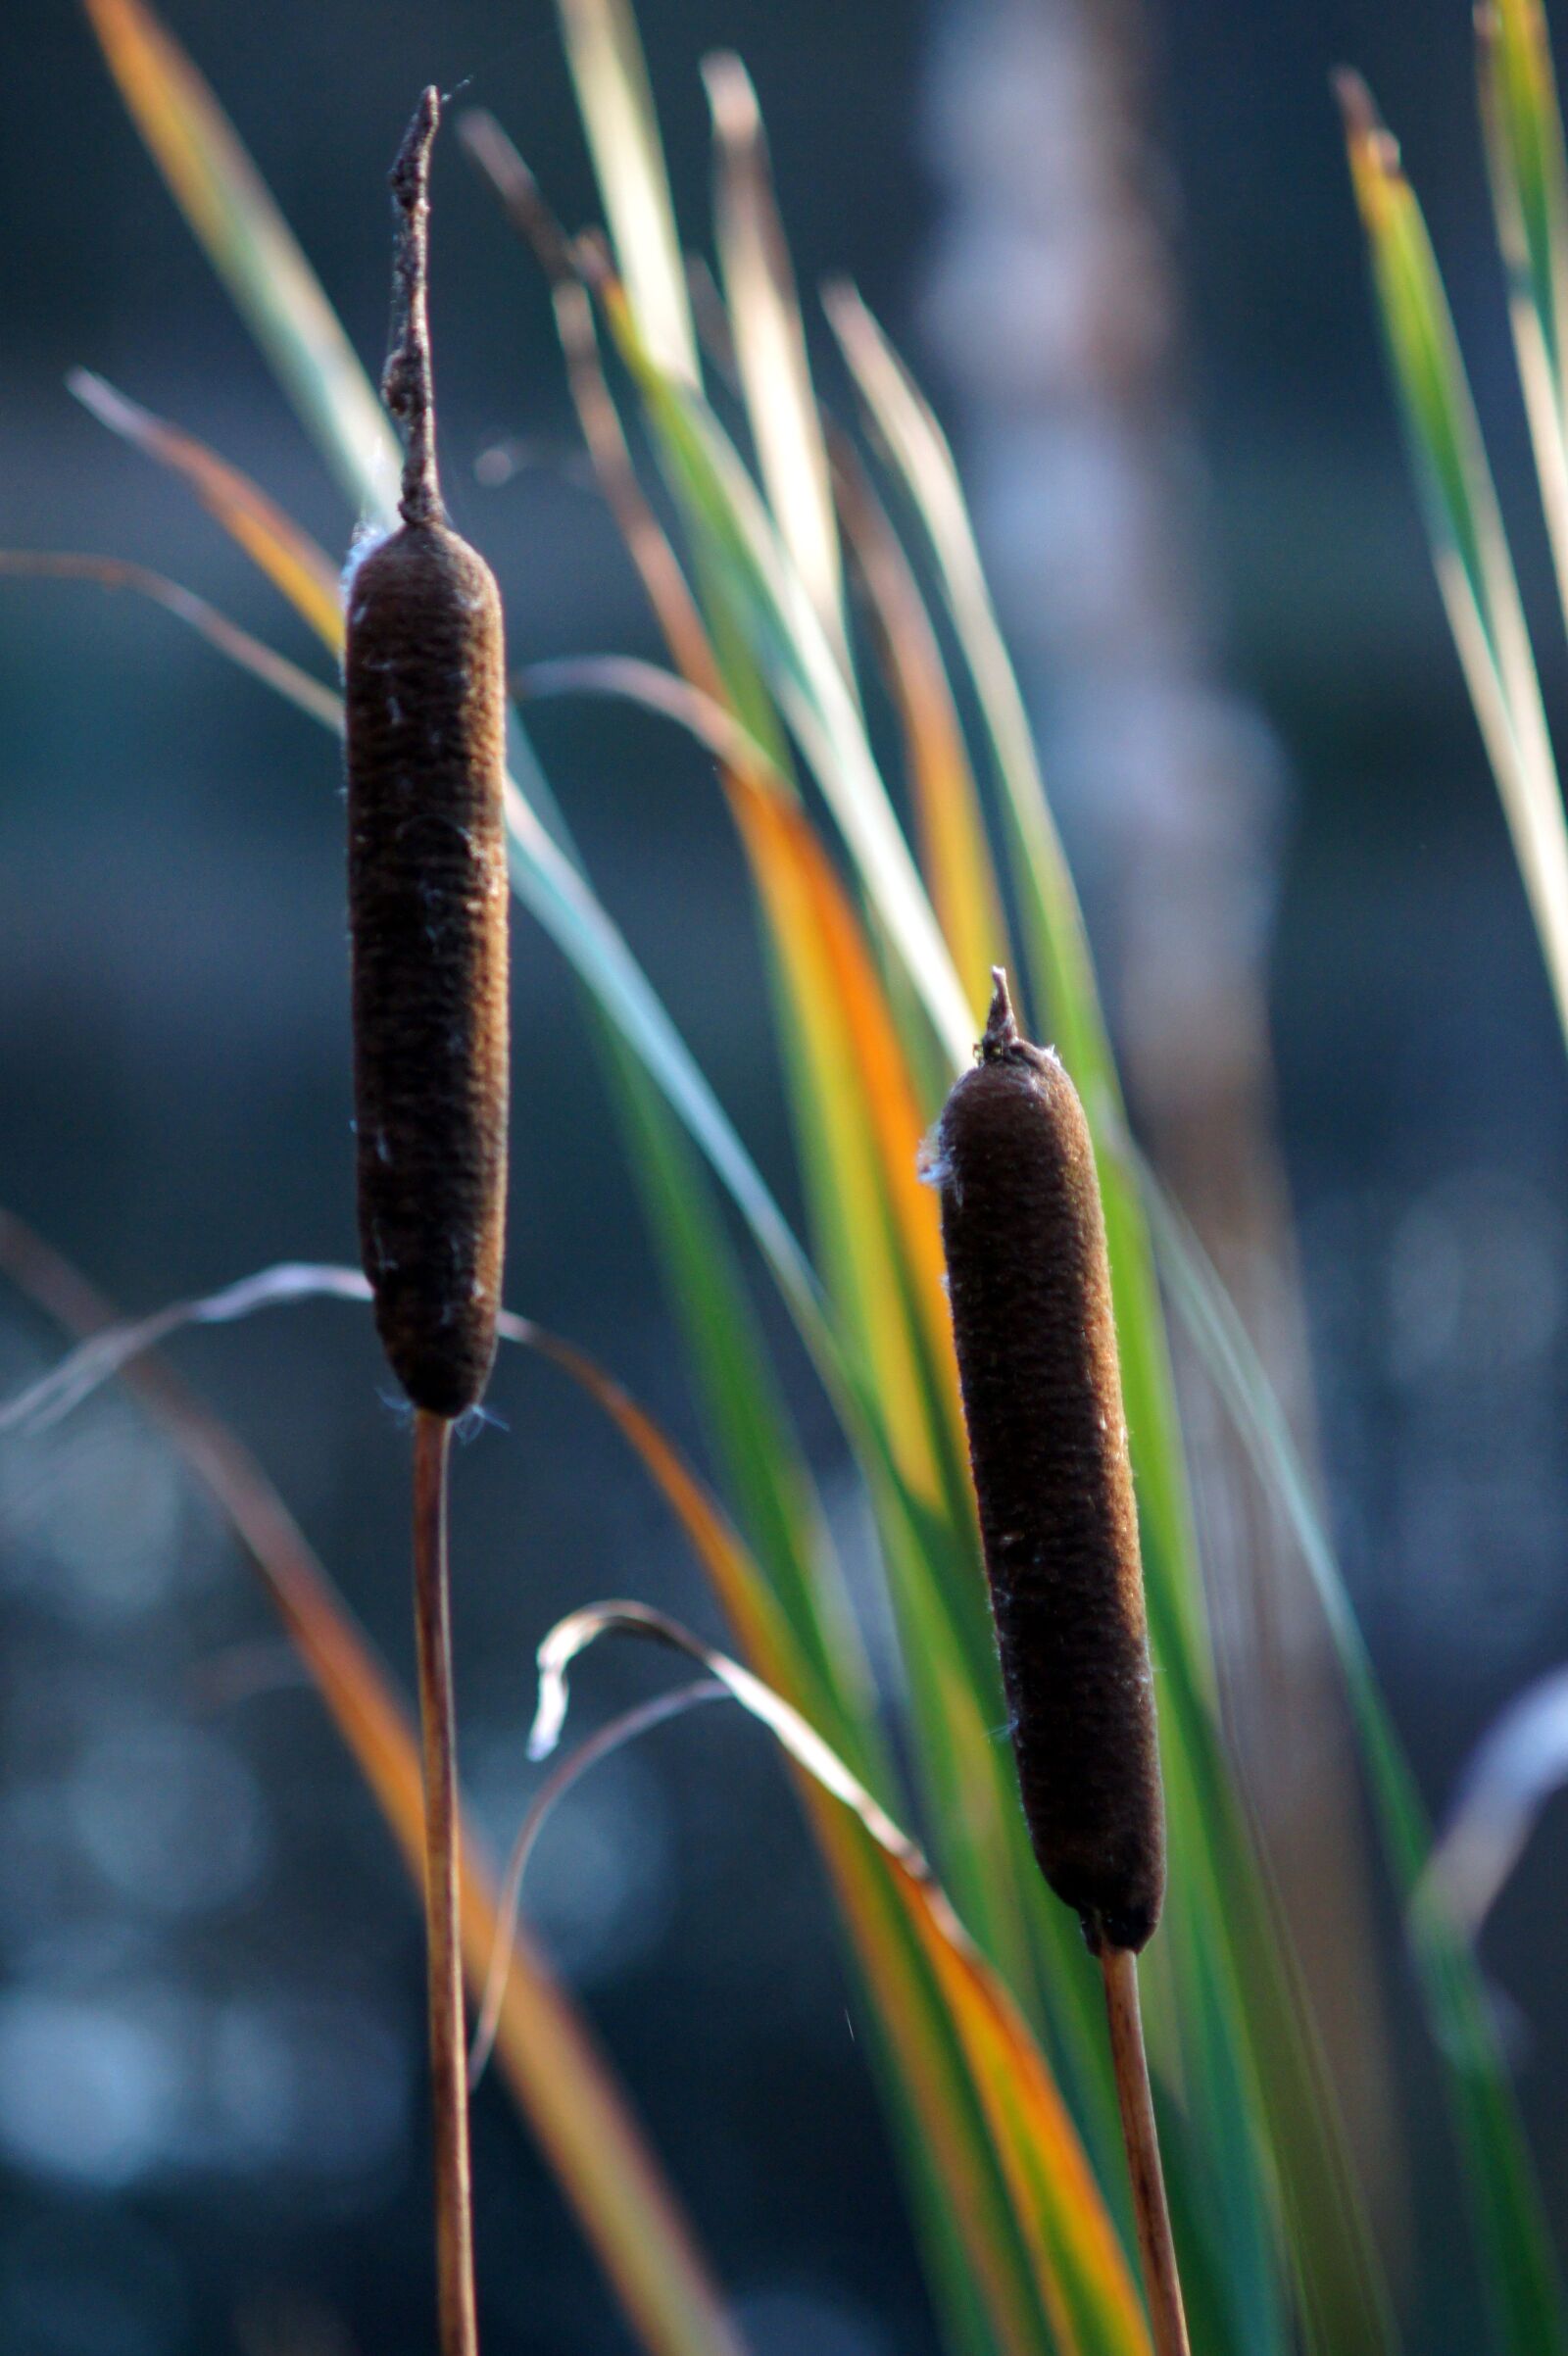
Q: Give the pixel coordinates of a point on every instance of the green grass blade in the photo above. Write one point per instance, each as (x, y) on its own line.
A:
(1525, 161)
(763, 1471)
(1524, 130)
(310, 695)
(611, 76)
(1464, 527)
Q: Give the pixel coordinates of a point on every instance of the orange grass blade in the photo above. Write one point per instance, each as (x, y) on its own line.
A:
(291, 558)
(622, 2201)
(1078, 2268)
(275, 670)
(863, 1083)
(251, 246)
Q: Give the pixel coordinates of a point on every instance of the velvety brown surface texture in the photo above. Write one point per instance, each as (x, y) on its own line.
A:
(424, 677)
(1030, 1290)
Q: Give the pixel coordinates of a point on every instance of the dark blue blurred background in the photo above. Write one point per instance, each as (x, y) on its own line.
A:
(210, 1968)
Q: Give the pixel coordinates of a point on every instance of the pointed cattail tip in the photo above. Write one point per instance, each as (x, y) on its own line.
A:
(412, 164)
(1002, 1024)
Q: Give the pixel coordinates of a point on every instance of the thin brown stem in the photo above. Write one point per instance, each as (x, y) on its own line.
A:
(1156, 2248)
(449, 2060)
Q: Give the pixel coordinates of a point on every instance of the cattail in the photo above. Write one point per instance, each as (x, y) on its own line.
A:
(1030, 1288)
(426, 695)
(424, 686)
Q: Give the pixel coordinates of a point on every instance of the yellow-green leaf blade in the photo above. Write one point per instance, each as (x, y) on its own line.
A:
(1463, 522)
(251, 246)
(616, 106)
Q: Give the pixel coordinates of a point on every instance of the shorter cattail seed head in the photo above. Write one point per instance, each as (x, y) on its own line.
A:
(1029, 1283)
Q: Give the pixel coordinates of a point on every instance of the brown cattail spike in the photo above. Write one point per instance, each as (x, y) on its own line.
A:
(1030, 1287)
(424, 675)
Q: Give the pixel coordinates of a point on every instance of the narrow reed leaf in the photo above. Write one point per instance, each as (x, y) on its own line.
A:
(632, 679)
(1465, 528)
(1525, 159)
(1059, 952)
(955, 852)
(616, 106)
(494, 156)
(1523, 123)
(252, 248)
(862, 1081)
(1081, 2270)
(107, 1353)
(1519, 1764)
(745, 1415)
(755, 1449)
(285, 678)
(602, 1744)
(289, 556)
(788, 639)
(810, 1010)
(621, 2199)
(665, 585)
(769, 343)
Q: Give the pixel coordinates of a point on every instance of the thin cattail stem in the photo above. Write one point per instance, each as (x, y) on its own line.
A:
(449, 2061)
(1156, 2248)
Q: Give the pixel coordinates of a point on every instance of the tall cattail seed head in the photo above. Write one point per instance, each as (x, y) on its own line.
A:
(424, 681)
(1030, 1287)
